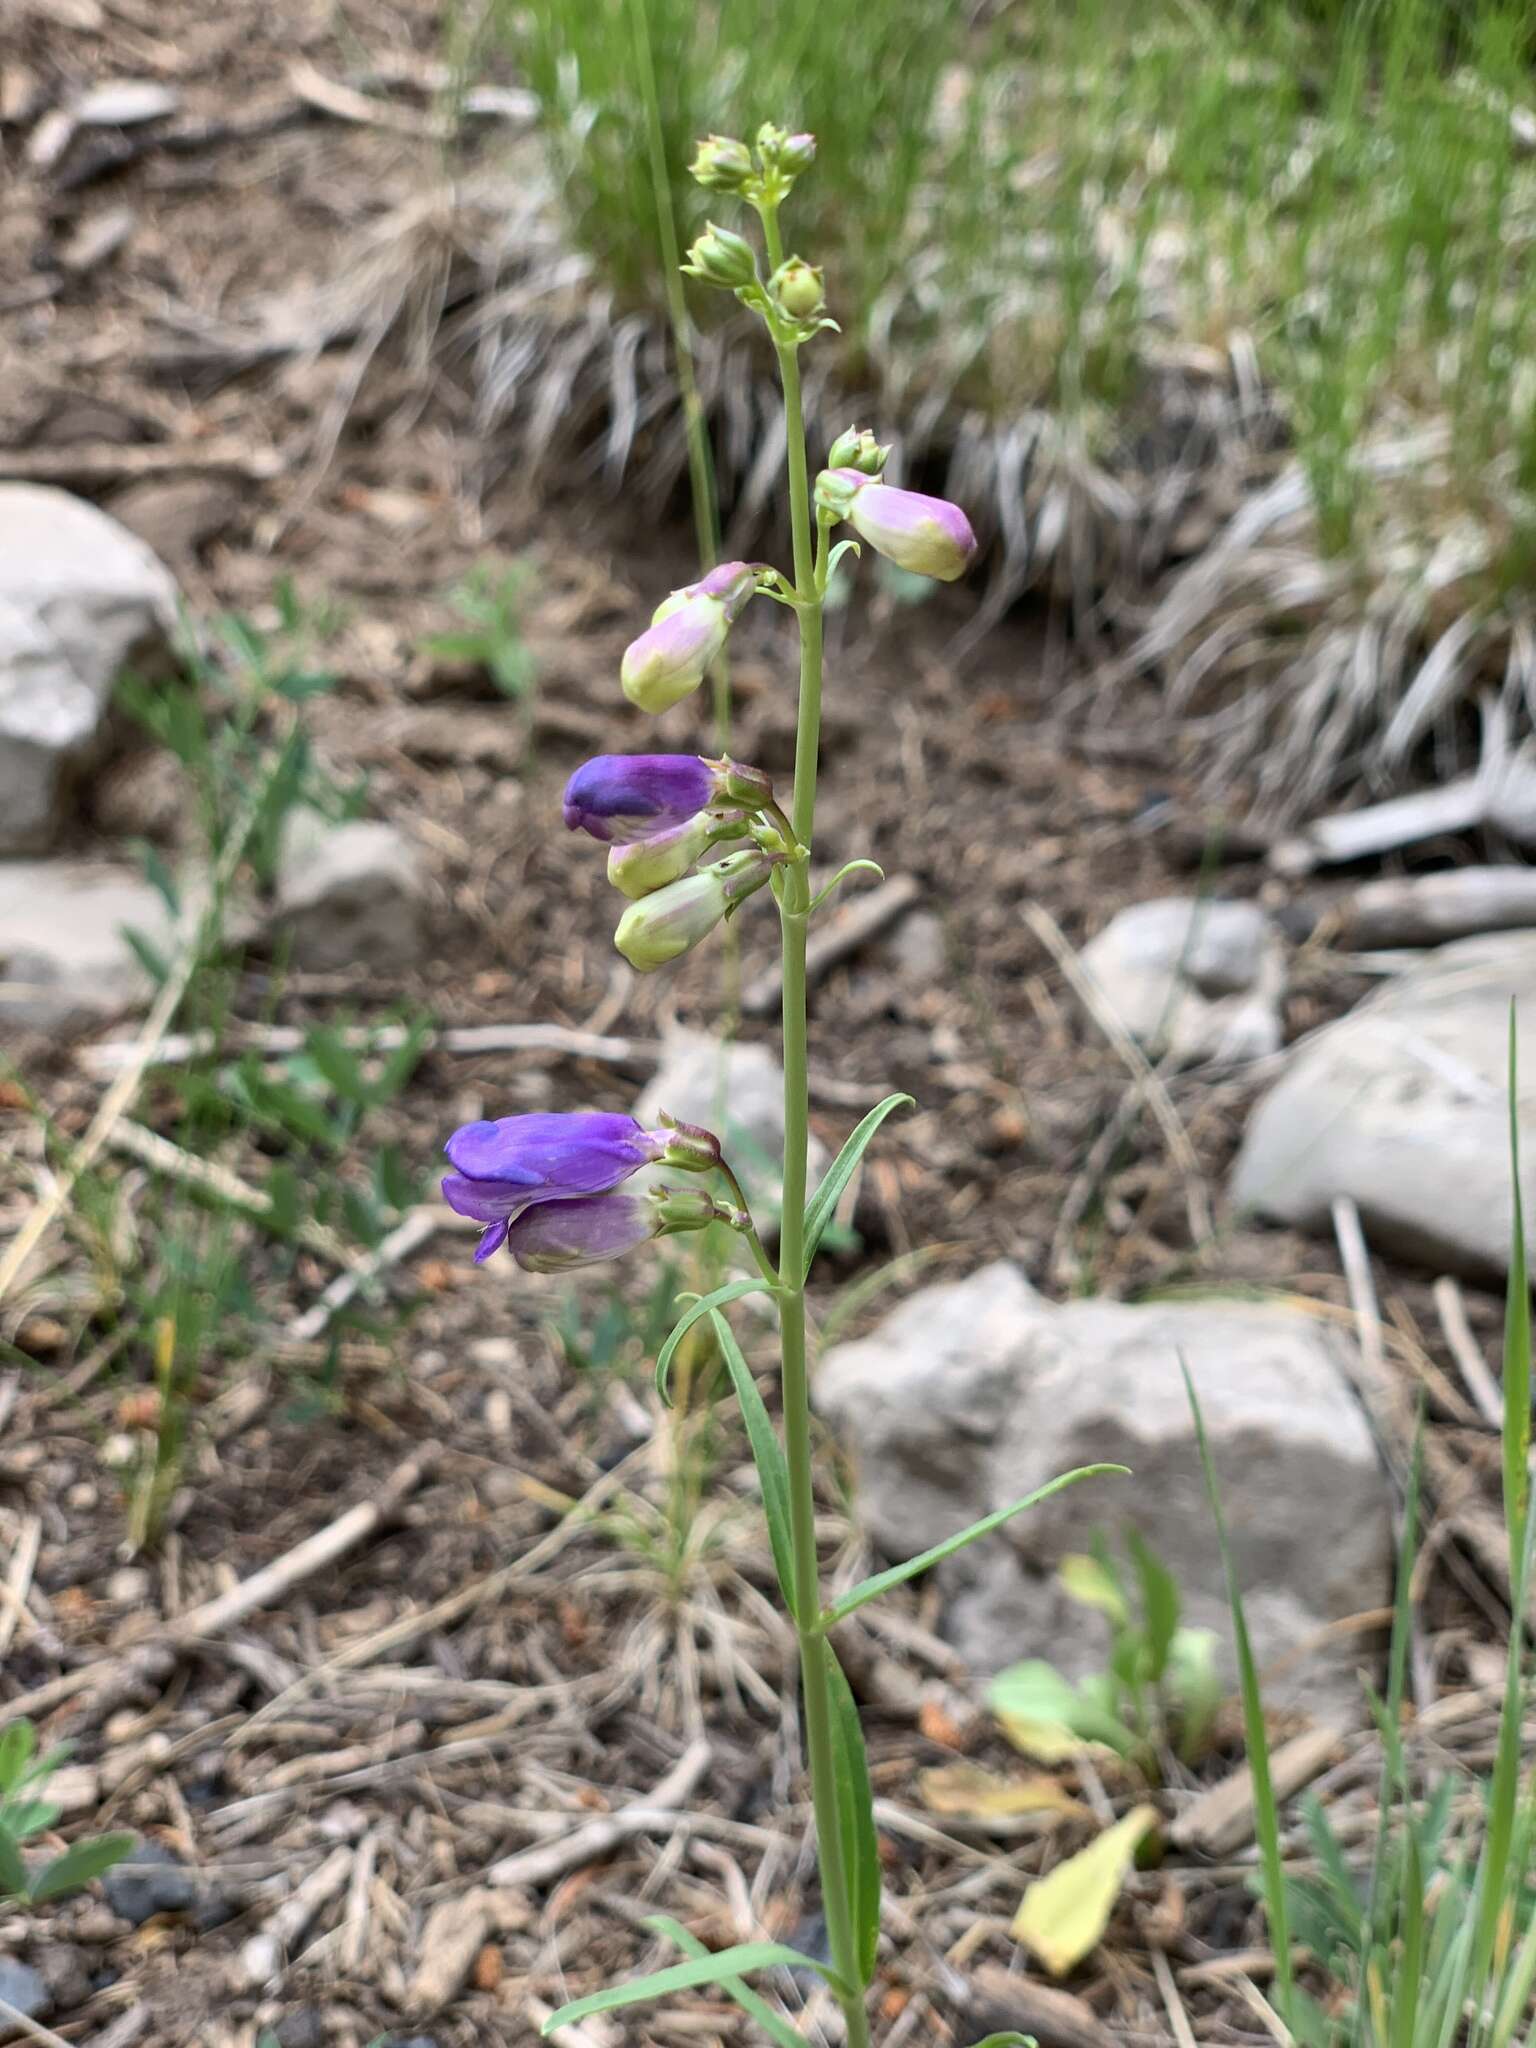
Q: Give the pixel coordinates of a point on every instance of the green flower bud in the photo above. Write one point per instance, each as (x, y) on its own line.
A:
(687, 1209)
(721, 164)
(836, 490)
(722, 258)
(858, 449)
(672, 921)
(645, 865)
(689, 1146)
(797, 286)
(796, 154)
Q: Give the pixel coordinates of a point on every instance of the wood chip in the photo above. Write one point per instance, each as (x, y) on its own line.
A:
(455, 1933)
(1222, 1818)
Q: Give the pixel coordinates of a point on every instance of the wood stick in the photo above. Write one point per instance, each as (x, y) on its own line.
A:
(261, 1958)
(1222, 1817)
(1451, 1307)
(546, 1860)
(854, 925)
(409, 1235)
(18, 1580)
(161, 1156)
(557, 1040)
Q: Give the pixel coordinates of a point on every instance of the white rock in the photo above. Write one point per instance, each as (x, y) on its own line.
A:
(737, 1091)
(350, 895)
(80, 599)
(1202, 979)
(125, 103)
(1403, 1106)
(973, 1394)
(64, 963)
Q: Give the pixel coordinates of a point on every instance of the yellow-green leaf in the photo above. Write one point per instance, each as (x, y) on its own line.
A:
(1048, 1742)
(987, 1795)
(1063, 1916)
(1085, 1580)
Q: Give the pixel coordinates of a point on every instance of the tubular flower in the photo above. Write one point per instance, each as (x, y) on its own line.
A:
(619, 797)
(650, 864)
(505, 1167)
(664, 926)
(689, 628)
(552, 1237)
(929, 536)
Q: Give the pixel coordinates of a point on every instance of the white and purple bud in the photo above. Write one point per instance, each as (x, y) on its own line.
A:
(799, 288)
(858, 449)
(721, 257)
(721, 163)
(664, 926)
(796, 153)
(928, 536)
(554, 1237)
(688, 629)
(646, 865)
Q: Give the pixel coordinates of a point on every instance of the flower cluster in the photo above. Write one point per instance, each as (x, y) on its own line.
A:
(543, 1186)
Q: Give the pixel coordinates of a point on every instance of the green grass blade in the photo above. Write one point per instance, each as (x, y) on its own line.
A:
(1517, 1342)
(856, 1822)
(773, 2024)
(882, 1582)
(1409, 1962)
(1256, 1736)
(818, 1211)
(729, 1964)
(767, 1455)
(732, 1291)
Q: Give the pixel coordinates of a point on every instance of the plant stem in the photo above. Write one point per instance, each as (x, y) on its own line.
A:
(794, 910)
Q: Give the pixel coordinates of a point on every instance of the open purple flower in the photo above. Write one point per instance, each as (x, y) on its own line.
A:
(929, 536)
(619, 797)
(506, 1166)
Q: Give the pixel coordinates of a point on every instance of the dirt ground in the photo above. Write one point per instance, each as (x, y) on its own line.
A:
(483, 1672)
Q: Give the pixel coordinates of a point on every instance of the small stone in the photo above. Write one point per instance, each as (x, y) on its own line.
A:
(974, 1393)
(125, 103)
(151, 1880)
(303, 2029)
(1201, 979)
(1403, 1106)
(74, 1789)
(24, 1988)
(178, 515)
(64, 962)
(129, 1585)
(67, 1975)
(350, 895)
(918, 949)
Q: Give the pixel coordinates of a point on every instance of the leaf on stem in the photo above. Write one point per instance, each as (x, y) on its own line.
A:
(773, 2024)
(852, 867)
(729, 1964)
(818, 1212)
(732, 1291)
(1064, 1915)
(872, 1588)
(856, 1821)
(767, 1455)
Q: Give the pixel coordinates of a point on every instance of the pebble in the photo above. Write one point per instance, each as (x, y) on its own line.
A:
(152, 1880)
(128, 1586)
(22, 1987)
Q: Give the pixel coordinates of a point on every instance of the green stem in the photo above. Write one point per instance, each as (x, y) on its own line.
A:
(794, 905)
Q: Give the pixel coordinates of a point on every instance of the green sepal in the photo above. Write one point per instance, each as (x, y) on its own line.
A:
(773, 2024)
(732, 1291)
(856, 1822)
(882, 1582)
(730, 1963)
(818, 1211)
(767, 1455)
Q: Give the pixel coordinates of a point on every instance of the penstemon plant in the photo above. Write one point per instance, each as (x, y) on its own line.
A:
(548, 1187)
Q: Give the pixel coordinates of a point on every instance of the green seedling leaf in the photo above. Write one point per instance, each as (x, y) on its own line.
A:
(13, 1872)
(1008, 2041)
(1092, 1583)
(1047, 1718)
(732, 1291)
(871, 1589)
(856, 1822)
(1159, 1602)
(773, 2024)
(715, 1969)
(1195, 1687)
(22, 1818)
(818, 1212)
(767, 1455)
(18, 1745)
(1063, 1916)
(81, 1862)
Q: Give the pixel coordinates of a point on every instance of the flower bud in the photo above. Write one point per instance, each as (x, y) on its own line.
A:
(738, 784)
(721, 163)
(649, 864)
(722, 258)
(687, 631)
(928, 536)
(858, 449)
(797, 153)
(664, 926)
(689, 1146)
(797, 286)
(554, 1237)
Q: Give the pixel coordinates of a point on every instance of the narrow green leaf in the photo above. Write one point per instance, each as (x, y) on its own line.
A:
(732, 1291)
(17, 1746)
(1008, 2041)
(1256, 1735)
(78, 1865)
(882, 1582)
(1408, 1969)
(713, 1969)
(1160, 1603)
(773, 2024)
(13, 1872)
(818, 1211)
(856, 1822)
(23, 1817)
(767, 1455)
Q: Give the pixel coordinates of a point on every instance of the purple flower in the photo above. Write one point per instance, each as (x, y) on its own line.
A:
(929, 536)
(673, 920)
(619, 797)
(687, 631)
(503, 1168)
(553, 1236)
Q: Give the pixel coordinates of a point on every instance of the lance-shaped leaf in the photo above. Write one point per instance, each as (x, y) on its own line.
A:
(730, 1963)
(773, 2024)
(1064, 1915)
(732, 1291)
(872, 1588)
(767, 1455)
(818, 1212)
(856, 1823)
(78, 1865)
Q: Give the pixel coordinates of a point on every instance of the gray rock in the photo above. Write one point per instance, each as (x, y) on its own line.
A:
(64, 963)
(350, 895)
(737, 1091)
(1200, 979)
(973, 1394)
(80, 600)
(918, 949)
(1402, 1105)
(151, 1880)
(22, 1987)
(302, 2029)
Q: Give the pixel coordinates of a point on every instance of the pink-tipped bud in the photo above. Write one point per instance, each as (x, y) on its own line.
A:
(646, 865)
(688, 630)
(928, 536)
